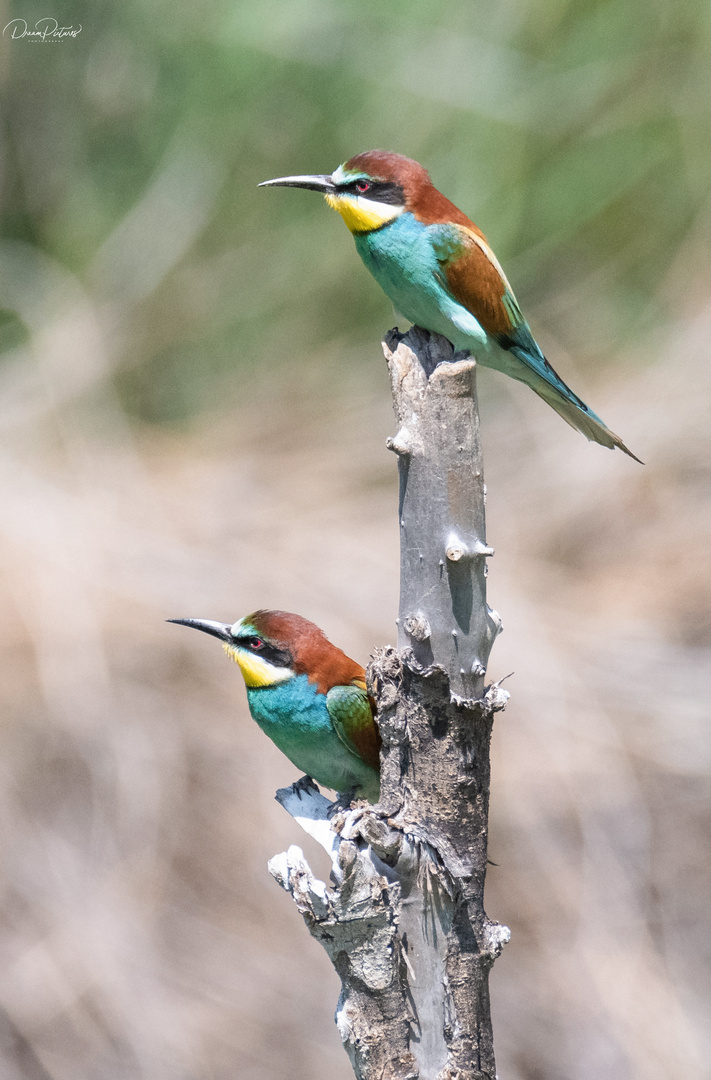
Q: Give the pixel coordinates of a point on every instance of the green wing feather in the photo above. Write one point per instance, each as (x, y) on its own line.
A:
(352, 716)
(472, 274)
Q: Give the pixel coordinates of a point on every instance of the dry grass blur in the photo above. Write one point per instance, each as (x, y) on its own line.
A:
(191, 425)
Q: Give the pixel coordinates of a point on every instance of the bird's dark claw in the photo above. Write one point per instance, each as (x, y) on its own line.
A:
(304, 785)
(341, 803)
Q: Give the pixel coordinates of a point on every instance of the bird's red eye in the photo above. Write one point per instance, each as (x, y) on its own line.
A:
(256, 643)
(363, 185)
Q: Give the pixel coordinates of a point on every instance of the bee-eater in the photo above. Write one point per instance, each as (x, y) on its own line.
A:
(440, 273)
(307, 696)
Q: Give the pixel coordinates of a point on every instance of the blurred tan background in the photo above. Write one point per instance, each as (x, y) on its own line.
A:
(193, 409)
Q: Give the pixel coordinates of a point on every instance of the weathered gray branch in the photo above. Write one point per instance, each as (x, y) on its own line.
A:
(444, 617)
(404, 922)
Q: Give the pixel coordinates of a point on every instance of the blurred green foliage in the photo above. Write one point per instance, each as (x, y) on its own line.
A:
(575, 133)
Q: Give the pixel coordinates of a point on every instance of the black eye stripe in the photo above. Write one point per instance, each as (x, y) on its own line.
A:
(272, 653)
(251, 641)
(380, 191)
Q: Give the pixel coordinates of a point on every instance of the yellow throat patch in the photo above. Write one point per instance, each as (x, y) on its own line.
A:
(363, 215)
(255, 670)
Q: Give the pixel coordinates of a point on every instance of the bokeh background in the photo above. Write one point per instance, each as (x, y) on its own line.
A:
(193, 409)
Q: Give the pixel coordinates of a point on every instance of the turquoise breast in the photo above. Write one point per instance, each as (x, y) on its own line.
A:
(295, 717)
(402, 258)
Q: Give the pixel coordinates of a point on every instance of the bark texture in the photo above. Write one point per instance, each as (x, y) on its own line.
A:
(404, 921)
(444, 616)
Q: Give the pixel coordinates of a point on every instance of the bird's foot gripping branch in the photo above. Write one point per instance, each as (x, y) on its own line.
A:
(403, 920)
(405, 924)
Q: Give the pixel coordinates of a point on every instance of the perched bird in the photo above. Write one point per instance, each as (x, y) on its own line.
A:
(307, 696)
(440, 273)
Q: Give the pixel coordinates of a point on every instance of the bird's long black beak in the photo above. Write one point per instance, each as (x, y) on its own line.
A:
(313, 183)
(217, 629)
